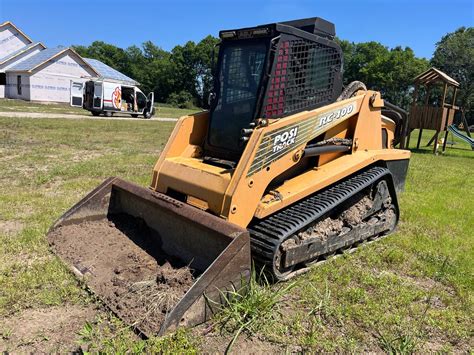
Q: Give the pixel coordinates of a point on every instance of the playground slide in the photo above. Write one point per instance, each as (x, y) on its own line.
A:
(460, 135)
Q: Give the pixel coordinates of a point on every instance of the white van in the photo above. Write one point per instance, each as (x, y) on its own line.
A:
(105, 97)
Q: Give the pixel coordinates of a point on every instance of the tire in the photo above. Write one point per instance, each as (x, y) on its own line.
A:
(147, 114)
(351, 89)
(134, 115)
(95, 113)
(108, 114)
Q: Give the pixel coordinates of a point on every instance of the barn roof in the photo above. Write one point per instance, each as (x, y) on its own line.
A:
(432, 75)
(44, 56)
(110, 73)
(38, 59)
(20, 51)
(9, 23)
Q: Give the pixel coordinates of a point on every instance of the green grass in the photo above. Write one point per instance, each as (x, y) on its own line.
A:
(10, 105)
(106, 334)
(248, 309)
(412, 291)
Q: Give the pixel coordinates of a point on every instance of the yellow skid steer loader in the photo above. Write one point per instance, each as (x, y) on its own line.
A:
(287, 168)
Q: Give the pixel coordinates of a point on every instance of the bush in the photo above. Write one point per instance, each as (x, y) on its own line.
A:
(182, 99)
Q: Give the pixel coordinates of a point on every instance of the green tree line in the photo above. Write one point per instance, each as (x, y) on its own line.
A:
(183, 76)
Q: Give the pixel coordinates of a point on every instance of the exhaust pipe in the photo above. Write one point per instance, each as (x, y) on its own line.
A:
(156, 262)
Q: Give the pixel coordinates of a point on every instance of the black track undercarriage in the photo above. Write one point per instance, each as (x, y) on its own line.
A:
(359, 209)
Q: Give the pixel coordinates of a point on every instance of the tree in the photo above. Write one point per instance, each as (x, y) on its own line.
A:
(206, 57)
(109, 54)
(401, 68)
(186, 71)
(192, 69)
(454, 55)
(151, 67)
(390, 71)
(137, 66)
(366, 64)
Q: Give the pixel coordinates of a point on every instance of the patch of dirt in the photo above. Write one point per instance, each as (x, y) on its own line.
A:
(124, 265)
(322, 229)
(356, 213)
(433, 346)
(329, 226)
(52, 188)
(47, 330)
(216, 343)
(438, 344)
(10, 227)
(424, 283)
(23, 260)
(8, 157)
(87, 155)
(29, 169)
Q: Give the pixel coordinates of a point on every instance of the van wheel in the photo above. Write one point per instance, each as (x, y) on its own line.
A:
(108, 114)
(147, 114)
(134, 115)
(95, 113)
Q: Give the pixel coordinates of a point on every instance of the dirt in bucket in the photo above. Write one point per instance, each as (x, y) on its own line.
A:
(124, 265)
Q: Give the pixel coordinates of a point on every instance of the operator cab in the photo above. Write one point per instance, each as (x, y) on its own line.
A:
(269, 72)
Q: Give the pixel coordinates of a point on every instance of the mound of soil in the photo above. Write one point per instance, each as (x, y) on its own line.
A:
(354, 215)
(329, 226)
(124, 265)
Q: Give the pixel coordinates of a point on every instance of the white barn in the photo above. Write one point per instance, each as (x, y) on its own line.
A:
(47, 76)
(13, 43)
(30, 71)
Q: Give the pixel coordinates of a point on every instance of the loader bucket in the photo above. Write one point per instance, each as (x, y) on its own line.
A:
(156, 262)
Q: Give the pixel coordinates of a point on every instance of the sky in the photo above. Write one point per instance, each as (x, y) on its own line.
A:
(418, 24)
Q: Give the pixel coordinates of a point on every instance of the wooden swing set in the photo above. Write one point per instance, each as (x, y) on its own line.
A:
(436, 113)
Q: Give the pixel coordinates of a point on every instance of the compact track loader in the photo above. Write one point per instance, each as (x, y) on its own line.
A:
(287, 168)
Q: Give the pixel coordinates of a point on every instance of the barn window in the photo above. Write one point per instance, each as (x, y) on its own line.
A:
(18, 84)
(3, 78)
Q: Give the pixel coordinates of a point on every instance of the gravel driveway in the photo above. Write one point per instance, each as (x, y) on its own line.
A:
(73, 116)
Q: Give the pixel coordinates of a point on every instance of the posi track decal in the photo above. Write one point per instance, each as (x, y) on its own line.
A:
(279, 142)
(284, 139)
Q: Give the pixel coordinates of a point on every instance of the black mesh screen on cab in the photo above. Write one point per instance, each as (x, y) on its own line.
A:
(305, 75)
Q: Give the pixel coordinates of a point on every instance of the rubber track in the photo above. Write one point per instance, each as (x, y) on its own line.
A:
(266, 235)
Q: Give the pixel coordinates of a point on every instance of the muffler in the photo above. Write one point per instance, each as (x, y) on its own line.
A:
(156, 262)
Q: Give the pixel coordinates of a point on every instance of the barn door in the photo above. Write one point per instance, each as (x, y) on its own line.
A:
(77, 93)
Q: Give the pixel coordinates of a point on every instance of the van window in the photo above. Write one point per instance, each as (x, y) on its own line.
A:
(18, 84)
